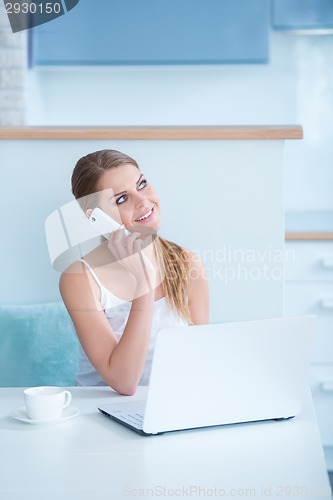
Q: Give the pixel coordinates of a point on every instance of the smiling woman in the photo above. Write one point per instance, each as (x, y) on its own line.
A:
(115, 314)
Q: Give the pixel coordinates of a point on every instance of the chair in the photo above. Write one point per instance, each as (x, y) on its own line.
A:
(38, 345)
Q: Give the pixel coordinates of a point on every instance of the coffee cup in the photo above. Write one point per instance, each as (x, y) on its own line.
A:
(46, 403)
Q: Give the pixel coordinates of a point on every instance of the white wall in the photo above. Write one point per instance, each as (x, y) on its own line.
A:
(295, 87)
(225, 203)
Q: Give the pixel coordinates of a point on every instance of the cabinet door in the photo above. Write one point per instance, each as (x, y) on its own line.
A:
(314, 299)
(321, 380)
(309, 261)
(116, 32)
(302, 14)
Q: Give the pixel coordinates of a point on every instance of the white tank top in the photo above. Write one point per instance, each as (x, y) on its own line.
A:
(117, 311)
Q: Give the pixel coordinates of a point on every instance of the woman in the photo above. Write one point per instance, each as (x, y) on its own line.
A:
(120, 294)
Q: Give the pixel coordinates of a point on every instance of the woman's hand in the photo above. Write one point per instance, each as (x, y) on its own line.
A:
(127, 250)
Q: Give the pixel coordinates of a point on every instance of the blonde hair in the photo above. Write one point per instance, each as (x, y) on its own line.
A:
(172, 259)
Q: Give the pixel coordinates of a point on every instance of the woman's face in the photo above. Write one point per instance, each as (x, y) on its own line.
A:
(128, 198)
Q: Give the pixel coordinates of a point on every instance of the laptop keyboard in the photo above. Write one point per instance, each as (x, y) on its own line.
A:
(130, 412)
(135, 419)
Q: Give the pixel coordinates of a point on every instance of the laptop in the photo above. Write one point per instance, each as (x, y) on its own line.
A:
(218, 374)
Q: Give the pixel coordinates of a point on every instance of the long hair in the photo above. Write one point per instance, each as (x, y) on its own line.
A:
(172, 259)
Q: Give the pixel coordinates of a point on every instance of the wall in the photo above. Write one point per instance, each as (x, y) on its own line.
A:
(295, 87)
(12, 65)
(235, 226)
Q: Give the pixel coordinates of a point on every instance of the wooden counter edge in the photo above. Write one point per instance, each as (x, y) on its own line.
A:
(264, 132)
(311, 235)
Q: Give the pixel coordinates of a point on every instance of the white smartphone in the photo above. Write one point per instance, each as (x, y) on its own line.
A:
(103, 223)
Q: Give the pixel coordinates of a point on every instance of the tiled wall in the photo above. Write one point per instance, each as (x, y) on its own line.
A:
(12, 66)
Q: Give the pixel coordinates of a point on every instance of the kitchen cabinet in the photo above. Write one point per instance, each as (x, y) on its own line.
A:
(128, 32)
(289, 15)
(309, 290)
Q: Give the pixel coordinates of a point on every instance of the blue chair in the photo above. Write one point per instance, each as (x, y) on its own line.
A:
(38, 346)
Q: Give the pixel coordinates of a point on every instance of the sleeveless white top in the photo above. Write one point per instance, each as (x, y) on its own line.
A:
(117, 311)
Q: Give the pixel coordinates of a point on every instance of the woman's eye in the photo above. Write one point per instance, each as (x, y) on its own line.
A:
(121, 199)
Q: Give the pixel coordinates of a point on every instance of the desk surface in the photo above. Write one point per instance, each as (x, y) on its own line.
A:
(90, 456)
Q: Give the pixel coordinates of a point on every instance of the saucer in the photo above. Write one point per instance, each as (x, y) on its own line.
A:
(67, 413)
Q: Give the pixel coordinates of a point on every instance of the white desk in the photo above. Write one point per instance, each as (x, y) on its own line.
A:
(90, 457)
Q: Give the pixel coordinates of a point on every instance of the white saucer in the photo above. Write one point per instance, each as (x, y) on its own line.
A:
(67, 413)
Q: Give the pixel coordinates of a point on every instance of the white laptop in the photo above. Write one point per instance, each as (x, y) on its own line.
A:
(207, 375)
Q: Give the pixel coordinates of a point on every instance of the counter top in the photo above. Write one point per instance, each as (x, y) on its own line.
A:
(225, 132)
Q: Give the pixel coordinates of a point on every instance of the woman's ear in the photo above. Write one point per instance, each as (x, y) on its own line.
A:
(88, 212)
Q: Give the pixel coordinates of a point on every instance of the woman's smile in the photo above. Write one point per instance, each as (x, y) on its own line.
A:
(146, 217)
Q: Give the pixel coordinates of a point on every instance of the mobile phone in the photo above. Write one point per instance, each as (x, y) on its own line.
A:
(103, 223)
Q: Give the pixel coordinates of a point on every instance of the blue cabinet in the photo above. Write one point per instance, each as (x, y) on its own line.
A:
(117, 32)
(302, 14)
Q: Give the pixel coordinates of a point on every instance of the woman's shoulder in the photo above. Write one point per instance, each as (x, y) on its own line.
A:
(197, 270)
(75, 280)
(88, 262)
(74, 269)
(193, 258)
(78, 291)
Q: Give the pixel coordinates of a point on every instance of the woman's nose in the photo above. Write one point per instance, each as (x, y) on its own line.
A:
(139, 200)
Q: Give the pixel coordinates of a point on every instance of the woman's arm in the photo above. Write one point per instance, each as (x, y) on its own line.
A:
(120, 363)
(198, 292)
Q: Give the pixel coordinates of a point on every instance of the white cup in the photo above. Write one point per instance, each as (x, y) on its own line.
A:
(46, 403)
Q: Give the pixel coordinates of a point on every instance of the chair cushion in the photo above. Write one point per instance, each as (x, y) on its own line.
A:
(38, 345)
